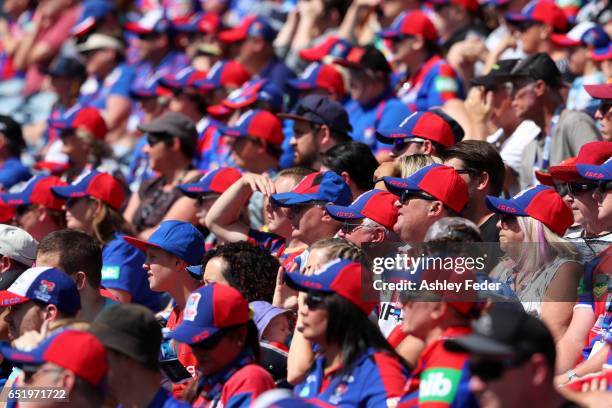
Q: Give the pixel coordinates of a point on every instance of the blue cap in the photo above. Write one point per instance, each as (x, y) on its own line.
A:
(93, 11)
(180, 238)
(602, 172)
(64, 66)
(321, 110)
(208, 310)
(150, 89)
(328, 187)
(44, 284)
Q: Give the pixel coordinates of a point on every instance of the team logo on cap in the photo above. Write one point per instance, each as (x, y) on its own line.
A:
(191, 308)
(44, 290)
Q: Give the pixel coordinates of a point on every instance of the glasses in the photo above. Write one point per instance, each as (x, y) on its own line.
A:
(468, 170)
(561, 188)
(604, 107)
(408, 195)
(349, 227)
(400, 145)
(604, 187)
(313, 301)
(211, 342)
(507, 219)
(206, 197)
(30, 373)
(492, 370)
(23, 209)
(577, 188)
(155, 138)
(300, 208)
(71, 202)
(148, 36)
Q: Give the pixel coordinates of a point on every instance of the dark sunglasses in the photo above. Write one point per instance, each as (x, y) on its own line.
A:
(71, 202)
(492, 370)
(348, 226)
(604, 107)
(210, 342)
(400, 145)
(206, 197)
(407, 195)
(23, 209)
(313, 301)
(148, 36)
(507, 218)
(561, 189)
(577, 188)
(604, 186)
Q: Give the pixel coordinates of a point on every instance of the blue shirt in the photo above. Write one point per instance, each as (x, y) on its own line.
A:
(277, 72)
(95, 91)
(12, 171)
(139, 169)
(122, 270)
(377, 379)
(387, 112)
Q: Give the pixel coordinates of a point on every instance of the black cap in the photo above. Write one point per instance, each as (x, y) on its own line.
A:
(130, 329)
(500, 72)
(12, 132)
(175, 124)
(538, 66)
(66, 67)
(323, 111)
(366, 58)
(506, 331)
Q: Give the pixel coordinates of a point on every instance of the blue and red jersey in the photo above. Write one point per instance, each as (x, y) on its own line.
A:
(594, 293)
(435, 83)
(376, 379)
(212, 150)
(441, 377)
(94, 91)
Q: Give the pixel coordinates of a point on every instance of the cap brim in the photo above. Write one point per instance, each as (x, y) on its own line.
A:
(599, 91)
(503, 206)
(293, 116)
(389, 34)
(340, 212)
(290, 199)
(564, 173)
(21, 357)
(219, 110)
(195, 271)
(397, 185)
(137, 28)
(388, 136)
(305, 283)
(301, 84)
(593, 172)
(193, 190)
(562, 40)
(480, 345)
(53, 168)
(311, 54)
(67, 192)
(514, 18)
(192, 335)
(544, 178)
(233, 35)
(15, 199)
(10, 299)
(139, 243)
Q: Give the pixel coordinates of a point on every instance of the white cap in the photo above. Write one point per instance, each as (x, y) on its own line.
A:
(100, 41)
(17, 244)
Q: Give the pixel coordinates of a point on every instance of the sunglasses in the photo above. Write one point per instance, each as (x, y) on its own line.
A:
(148, 36)
(313, 301)
(348, 226)
(23, 209)
(492, 370)
(400, 145)
(507, 218)
(71, 202)
(210, 342)
(155, 138)
(604, 187)
(200, 200)
(604, 107)
(561, 189)
(407, 195)
(577, 188)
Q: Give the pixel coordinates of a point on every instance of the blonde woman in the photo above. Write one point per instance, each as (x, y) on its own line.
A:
(540, 266)
(403, 167)
(92, 206)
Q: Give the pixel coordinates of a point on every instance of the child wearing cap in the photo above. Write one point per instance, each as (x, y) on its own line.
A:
(540, 266)
(335, 315)
(274, 326)
(92, 206)
(217, 325)
(173, 247)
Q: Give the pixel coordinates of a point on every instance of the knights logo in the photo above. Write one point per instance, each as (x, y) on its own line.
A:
(43, 292)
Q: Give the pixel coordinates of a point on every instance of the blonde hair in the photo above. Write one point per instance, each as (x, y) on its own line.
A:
(107, 222)
(546, 245)
(411, 164)
(336, 247)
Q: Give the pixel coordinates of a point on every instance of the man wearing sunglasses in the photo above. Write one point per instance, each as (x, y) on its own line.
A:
(603, 115)
(434, 192)
(511, 360)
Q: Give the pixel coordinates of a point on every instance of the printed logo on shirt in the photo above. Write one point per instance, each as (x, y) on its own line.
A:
(439, 384)
(111, 272)
(601, 285)
(191, 308)
(445, 84)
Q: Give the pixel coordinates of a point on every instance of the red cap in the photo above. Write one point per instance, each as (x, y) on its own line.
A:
(7, 212)
(544, 11)
(260, 124)
(224, 73)
(251, 26)
(325, 76)
(546, 178)
(376, 205)
(332, 46)
(412, 23)
(209, 23)
(590, 153)
(603, 91)
(102, 186)
(90, 119)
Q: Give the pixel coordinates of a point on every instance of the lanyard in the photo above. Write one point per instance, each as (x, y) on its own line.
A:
(211, 386)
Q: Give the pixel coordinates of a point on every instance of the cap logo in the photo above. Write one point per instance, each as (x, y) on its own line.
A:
(313, 285)
(594, 174)
(345, 214)
(397, 183)
(504, 207)
(200, 337)
(44, 290)
(191, 308)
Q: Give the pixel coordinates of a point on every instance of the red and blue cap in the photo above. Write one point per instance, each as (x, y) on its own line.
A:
(260, 124)
(102, 186)
(586, 33)
(149, 89)
(603, 91)
(37, 191)
(377, 205)
(411, 23)
(7, 212)
(593, 154)
(541, 203)
(602, 54)
(423, 124)
(214, 181)
(255, 90)
(185, 78)
(224, 73)
(440, 181)
(78, 351)
(470, 5)
(341, 276)
(87, 118)
(543, 11)
(210, 309)
(154, 21)
(179, 238)
(251, 26)
(93, 11)
(207, 23)
(332, 47)
(602, 172)
(44, 284)
(328, 187)
(320, 76)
